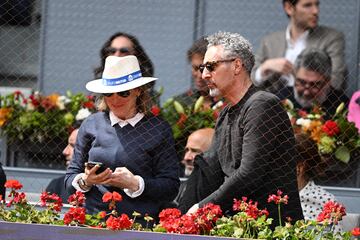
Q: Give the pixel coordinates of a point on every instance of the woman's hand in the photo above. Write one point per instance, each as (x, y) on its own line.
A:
(90, 177)
(123, 178)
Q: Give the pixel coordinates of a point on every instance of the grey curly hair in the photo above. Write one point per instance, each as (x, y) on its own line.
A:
(234, 45)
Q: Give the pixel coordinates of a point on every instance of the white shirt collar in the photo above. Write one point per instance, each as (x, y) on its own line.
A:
(122, 123)
(301, 39)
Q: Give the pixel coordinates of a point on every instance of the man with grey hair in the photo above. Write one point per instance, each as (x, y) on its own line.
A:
(312, 83)
(253, 148)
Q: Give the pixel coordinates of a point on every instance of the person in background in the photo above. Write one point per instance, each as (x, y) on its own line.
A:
(2, 182)
(197, 143)
(312, 83)
(312, 196)
(136, 147)
(253, 147)
(195, 56)
(57, 185)
(278, 51)
(122, 44)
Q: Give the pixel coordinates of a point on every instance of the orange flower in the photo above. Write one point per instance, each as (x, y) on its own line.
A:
(4, 115)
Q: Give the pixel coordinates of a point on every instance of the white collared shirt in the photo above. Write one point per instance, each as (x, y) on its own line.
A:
(293, 50)
(122, 123)
(291, 53)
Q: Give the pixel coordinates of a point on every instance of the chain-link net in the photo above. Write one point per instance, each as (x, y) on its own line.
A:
(50, 49)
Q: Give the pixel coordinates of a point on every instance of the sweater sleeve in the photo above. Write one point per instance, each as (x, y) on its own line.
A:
(77, 164)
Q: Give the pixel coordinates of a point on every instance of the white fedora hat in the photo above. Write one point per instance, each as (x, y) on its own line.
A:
(120, 74)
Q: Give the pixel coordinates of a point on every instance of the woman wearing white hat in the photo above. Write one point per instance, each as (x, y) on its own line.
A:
(137, 148)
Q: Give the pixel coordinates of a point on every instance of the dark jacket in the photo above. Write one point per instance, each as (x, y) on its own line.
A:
(57, 186)
(2, 182)
(203, 180)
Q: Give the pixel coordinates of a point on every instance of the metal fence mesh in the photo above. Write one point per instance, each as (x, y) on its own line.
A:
(51, 47)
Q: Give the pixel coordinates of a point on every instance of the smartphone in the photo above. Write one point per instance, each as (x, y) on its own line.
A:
(102, 168)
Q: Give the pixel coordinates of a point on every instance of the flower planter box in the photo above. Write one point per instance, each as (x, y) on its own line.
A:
(20, 231)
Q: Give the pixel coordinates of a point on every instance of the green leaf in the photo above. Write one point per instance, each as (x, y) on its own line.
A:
(343, 154)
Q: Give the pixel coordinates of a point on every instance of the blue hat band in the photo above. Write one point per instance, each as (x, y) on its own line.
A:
(121, 80)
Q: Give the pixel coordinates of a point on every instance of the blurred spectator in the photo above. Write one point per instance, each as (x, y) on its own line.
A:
(253, 149)
(195, 56)
(57, 185)
(123, 44)
(309, 165)
(278, 51)
(312, 83)
(2, 182)
(197, 143)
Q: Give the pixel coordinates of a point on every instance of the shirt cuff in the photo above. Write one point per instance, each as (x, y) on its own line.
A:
(138, 192)
(75, 183)
(258, 78)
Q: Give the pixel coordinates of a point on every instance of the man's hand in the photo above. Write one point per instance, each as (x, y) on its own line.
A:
(279, 65)
(193, 209)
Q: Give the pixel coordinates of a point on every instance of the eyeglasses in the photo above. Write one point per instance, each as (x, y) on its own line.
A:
(314, 86)
(123, 94)
(210, 66)
(123, 50)
(196, 67)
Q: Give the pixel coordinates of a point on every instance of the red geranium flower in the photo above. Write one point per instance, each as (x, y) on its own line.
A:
(278, 199)
(331, 128)
(119, 223)
(332, 212)
(75, 214)
(169, 213)
(250, 208)
(53, 201)
(356, 232)
(77, 199)
(14, 184)
(112, 198)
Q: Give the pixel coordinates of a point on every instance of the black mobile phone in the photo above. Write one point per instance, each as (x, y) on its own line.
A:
(92, 164)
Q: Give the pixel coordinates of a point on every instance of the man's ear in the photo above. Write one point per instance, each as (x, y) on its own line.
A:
(289, 8)
(238, 65)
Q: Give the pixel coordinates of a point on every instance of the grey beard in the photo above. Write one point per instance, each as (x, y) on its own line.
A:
(303, 102)
(214, 92)
(309, 103)
(187, 172)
